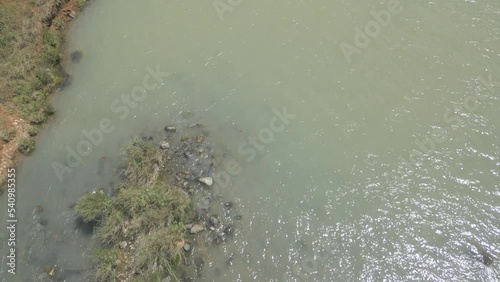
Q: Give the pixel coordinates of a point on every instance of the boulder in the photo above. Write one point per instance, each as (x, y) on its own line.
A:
(209, 181)
(164, 145)
(197, 228)
(122, 245)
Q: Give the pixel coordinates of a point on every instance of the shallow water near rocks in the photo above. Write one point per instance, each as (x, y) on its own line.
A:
(336, 192)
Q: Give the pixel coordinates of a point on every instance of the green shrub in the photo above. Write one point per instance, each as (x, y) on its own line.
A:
(155, 207)
(7, 134)
(94, 206)
(44, 76)
(159, 250)
(26, 145)
(48, 109)
(142, 159)
(51, 56)
(33, 130)
(58, 23)
(37, 118)
(81, 4)
(105, 263)
(111, 229)
(22, 89)
(37, 84)
(51, 38)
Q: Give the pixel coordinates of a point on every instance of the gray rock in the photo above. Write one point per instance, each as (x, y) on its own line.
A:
(209, 181)
(164, 145)
(214, 220)
(170, 129)
(197, 228)
(166, 279)
(122, 245)
(187, 247)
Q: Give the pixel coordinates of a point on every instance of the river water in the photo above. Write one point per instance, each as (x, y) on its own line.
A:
(366, 133)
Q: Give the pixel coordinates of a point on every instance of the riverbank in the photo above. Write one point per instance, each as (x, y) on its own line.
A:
(32, 51)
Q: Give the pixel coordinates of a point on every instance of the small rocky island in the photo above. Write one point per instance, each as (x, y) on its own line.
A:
(146, 228)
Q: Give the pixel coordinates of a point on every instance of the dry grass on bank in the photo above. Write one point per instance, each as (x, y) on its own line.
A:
(31, 43)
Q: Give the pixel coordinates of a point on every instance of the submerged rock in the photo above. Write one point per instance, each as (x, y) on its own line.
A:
(214, 220)
(228, 230)
(209, 181)
(483, 255)
(198, 262)
(170, 129)
(228, 205)
(76, 56)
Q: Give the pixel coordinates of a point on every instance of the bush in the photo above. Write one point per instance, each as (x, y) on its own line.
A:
(51, 56)
(51, 38)
(37, 118)
(81, 4)
(7, 134)
(58, 23)
(159, 250)
(111, 229)
(33, 130)
(22, 89)
(48, 109)
(157, 207)
(26, 146)
(43, 76)
(94, 206)
(105, 264)
(142, 160)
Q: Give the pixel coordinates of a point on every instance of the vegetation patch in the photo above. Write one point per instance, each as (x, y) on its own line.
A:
(140, 227)
(26, 146)
(7, 133)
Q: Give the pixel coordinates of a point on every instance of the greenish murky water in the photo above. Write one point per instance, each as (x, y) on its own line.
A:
(384, 168)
